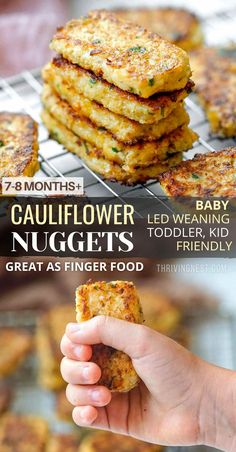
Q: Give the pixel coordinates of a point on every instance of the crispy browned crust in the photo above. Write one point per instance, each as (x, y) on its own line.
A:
(14, 346)
(215, 78)
(154, 103)
(211, 174)
(118, 299)
(178, 25)
(141, 154)
(123, 53)
(110, 170)
(107, 441)
(18, 145)
(22, 433)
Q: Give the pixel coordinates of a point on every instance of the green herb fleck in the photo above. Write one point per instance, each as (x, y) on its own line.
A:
(110, 87)
(101, 129)
(162, 111)
(113, 286)
(115, 150)
(86, 148)
(92, 81)
(1, 144)
(151, 81)
(96, 41)
(195, 176)
(96, 287)
(131, 89)
(137, 49)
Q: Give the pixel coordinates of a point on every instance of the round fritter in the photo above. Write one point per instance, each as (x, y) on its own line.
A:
(106, 442)
(18, 145)
(211, 174)
(177, 25)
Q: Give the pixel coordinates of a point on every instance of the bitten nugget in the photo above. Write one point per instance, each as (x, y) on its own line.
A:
(14, 346)
(211, 174)
(92, 156)
(215, 78)
(106, 441)
(22, 433)
(118, 299)
(18, 145)
(145, 111)
(123, 53)
(177, 25)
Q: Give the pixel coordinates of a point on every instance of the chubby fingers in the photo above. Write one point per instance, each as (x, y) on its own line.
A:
(81, 373)
(97, 396)
(75, 351)
(112, 332)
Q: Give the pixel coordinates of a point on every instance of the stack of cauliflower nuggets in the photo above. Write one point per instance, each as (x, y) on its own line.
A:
(114, 96)
(118, 299)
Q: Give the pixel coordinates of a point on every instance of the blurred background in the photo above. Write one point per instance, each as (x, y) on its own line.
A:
(27, 27)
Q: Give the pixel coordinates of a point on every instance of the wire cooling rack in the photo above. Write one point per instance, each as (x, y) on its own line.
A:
(22, 93)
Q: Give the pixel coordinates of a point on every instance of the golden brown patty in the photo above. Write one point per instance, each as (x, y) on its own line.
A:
(215, 78)
(211, 174)
(177, 25)
(92, 156)
(63, 443)
(123, 53)
(106, 442)
(22, 433)
(118, 299)
(14, 346)
(140, 154)
(122, 128)
(145, 111)
(18, 145)
(50, 330)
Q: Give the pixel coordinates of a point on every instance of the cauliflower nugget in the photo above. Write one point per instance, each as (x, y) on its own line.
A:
(145, 111)
(118, 299)
(92, 157)
(124, 54)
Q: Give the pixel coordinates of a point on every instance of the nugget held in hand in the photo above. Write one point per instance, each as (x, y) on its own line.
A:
(118, 299)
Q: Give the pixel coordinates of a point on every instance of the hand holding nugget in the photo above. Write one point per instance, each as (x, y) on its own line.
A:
(181, 399)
